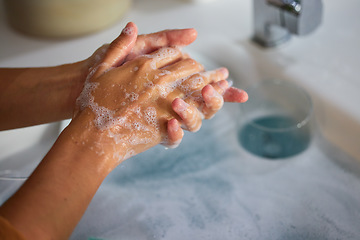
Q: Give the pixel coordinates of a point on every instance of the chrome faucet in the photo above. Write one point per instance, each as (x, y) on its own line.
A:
(276, 20)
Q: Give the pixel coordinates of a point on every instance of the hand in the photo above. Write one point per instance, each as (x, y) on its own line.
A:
(145, 101)
(144, 44)
(147, 43)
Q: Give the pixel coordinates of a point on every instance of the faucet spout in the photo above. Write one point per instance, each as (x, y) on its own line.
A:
(276, 20)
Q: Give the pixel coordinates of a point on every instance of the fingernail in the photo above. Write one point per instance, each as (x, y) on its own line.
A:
(211, 91)
(128, 30)
(182, 106)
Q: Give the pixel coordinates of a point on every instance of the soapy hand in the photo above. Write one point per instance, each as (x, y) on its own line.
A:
(138, 92)
(136, 100)
(145, 44)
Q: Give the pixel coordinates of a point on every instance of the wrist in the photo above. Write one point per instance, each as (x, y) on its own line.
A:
(92, 143)
(88, 143)
(110, 146)
(78, 72)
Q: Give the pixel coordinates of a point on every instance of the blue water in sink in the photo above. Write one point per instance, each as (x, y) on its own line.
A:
(284, 141)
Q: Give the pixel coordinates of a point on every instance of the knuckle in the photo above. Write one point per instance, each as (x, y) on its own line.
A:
(196, 66)
(143, 62)
(196, 81)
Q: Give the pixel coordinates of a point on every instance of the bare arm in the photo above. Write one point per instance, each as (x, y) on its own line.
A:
(31, 96)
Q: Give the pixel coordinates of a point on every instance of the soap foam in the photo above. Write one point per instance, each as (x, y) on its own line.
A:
(160, 55)
(166, 88)
(104, 117)
(192, 123)
(134, 96)
(150, 117)
(164, 72)
(197, 82)
(138, 122)
(165, 142)
(135, 140)
(174, 144)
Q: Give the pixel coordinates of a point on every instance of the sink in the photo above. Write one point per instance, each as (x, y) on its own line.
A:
(210, 187)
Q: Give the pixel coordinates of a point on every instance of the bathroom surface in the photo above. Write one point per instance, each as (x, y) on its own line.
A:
(210, 187)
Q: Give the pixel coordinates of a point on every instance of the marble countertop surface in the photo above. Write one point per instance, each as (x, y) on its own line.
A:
(209, 187)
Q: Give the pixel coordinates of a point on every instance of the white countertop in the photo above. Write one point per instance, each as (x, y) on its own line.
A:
(223, 192)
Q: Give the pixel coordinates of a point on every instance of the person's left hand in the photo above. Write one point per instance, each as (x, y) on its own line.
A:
(145, 44)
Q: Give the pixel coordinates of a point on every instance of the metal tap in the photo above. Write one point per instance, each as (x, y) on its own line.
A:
(276, 20)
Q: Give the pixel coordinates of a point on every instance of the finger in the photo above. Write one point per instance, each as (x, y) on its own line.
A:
(190, 116)
(180, 71)
(164, 57)
(199, 80)
(213, 100)
(98, 55)
(174, 134)
(168, 79)
(121, 46)
(119, 49)
(148, 43)
(235, 95)
(221, 86)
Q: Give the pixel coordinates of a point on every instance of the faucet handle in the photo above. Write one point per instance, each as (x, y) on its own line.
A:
(292, 6)
(274, 20)
(301, 17)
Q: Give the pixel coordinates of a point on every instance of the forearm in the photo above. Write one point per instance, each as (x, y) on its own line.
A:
(30, 96)
(53, 199)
